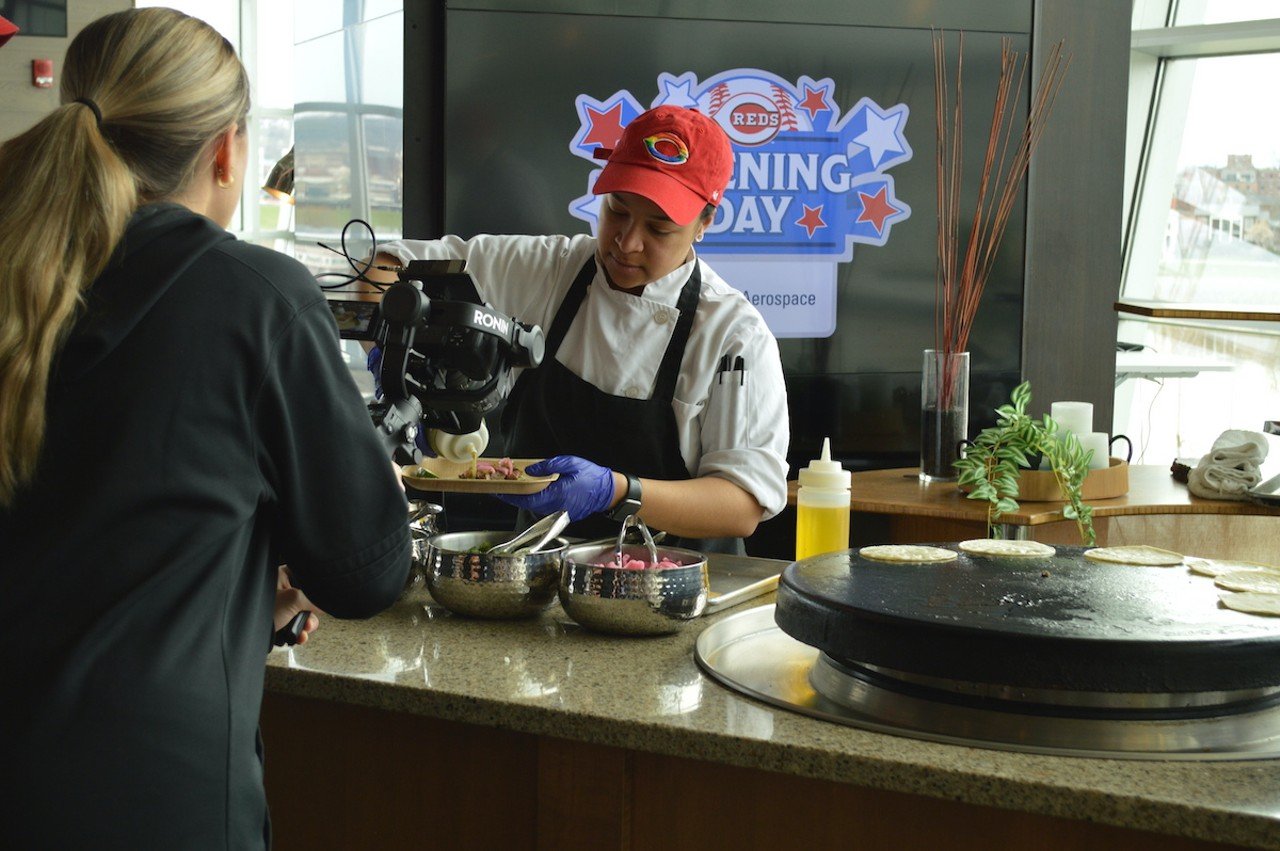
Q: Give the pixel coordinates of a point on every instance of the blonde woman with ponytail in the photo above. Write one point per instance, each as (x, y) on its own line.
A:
(175, 421)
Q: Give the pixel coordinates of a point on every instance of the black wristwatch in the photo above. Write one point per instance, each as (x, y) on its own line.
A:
(630, 501)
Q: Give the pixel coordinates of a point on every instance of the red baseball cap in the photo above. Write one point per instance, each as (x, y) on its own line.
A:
(676, 157)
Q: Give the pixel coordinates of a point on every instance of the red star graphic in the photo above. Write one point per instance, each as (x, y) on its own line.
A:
(876, 209)
(814, 101)
(812, 219)
(606, 128)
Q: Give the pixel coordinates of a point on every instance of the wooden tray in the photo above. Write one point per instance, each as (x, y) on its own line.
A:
(447, 477)
(1042, 486)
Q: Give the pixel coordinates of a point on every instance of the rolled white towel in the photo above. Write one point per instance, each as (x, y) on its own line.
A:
(1223, 481)
(1238, 445)
(1231, 467)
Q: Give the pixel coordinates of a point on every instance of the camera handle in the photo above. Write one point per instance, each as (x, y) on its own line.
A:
(397, 423)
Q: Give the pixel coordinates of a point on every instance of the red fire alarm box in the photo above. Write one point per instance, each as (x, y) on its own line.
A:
(42, 73)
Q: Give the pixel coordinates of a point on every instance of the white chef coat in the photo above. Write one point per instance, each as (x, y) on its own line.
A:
(731, 424)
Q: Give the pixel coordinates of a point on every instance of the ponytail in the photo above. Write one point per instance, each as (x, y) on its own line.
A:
(65, 198)
(161, 85)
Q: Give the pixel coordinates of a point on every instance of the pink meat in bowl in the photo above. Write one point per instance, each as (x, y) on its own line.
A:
(627, 592)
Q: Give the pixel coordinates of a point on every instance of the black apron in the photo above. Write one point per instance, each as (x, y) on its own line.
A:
(551, 411)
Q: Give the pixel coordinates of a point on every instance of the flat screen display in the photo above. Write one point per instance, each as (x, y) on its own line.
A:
(356, 320)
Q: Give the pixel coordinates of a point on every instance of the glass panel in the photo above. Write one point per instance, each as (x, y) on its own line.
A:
(323, 165)
(323, 187)
(384, 156)
(1224, 11)
(381, 45)
(275, 138)
(349, 129)
(273, 76)
(1149, 14)
(319, 70)
(377, 8)
(1214, 206)
(1207, 228)
(316, 18)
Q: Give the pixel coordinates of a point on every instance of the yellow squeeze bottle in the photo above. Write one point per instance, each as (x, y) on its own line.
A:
(822, 506)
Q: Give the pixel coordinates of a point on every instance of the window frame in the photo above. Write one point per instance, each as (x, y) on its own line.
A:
(251, 192)
(1152, 74)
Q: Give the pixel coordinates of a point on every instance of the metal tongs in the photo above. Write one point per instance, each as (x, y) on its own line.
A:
(539, 534)
(633, 521)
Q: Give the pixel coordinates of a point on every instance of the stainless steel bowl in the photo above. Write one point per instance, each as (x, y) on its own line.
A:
(482, 585)
(424, 523)
(653, 601)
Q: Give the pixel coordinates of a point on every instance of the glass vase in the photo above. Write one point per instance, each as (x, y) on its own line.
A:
(944, 413)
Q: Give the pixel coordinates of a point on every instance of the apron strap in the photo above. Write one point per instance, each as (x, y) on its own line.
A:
(569, 308)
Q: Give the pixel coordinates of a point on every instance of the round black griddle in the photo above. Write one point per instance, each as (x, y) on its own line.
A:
(1062, 622)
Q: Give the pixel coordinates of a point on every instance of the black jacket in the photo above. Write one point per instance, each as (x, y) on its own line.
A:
(202, 427)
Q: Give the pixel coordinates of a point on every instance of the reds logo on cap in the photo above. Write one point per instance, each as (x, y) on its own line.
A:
(667, 148)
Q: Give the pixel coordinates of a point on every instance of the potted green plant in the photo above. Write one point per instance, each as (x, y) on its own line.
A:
(993, 462)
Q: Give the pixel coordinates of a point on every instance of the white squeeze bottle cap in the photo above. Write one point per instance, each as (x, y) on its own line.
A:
(825, 474)
(458, 447)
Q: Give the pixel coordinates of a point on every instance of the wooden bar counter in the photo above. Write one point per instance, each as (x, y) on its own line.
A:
(1156, 510)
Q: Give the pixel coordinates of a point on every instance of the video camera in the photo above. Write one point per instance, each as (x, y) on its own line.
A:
(447, 358)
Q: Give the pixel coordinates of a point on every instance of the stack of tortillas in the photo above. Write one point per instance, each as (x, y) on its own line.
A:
(907, 553)
(1249, 586)
(1141, 555)
(1001, 549)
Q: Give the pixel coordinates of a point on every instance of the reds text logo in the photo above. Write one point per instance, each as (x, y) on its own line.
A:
(751, 118)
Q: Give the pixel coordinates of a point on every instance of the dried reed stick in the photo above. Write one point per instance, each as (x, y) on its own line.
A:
(961, 277)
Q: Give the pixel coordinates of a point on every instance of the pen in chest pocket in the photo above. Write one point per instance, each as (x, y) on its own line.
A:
(735, 368)
(731, 384)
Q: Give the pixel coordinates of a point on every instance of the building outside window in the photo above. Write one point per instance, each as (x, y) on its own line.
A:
(1202, 221)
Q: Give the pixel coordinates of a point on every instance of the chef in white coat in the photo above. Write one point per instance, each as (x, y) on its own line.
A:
(661, 391)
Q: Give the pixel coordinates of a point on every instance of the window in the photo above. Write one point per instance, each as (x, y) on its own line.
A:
(262, 33)
(349, 126)
(1202, 221)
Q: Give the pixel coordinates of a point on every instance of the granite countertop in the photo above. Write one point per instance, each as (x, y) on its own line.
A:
(547, 676)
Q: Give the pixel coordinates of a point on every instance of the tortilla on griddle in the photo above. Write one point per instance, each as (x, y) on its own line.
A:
(1257, 581)
(1252, 602)
(912, 553)
(1217, 567)
(998, 548)
(1138, 554)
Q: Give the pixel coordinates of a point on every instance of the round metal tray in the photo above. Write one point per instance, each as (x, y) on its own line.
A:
(748, 653)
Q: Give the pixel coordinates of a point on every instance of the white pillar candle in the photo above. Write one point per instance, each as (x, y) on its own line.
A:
(1100, 443)
(1075, 417)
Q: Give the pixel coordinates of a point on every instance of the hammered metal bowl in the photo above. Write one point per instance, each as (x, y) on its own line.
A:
(424, 523)
(481, 585)
(653, 601)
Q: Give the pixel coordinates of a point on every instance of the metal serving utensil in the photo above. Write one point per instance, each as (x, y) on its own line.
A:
(633, 521)
(539, 533)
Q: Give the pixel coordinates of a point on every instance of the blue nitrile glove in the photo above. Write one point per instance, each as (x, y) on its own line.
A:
(583, 488)
(374, 363)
